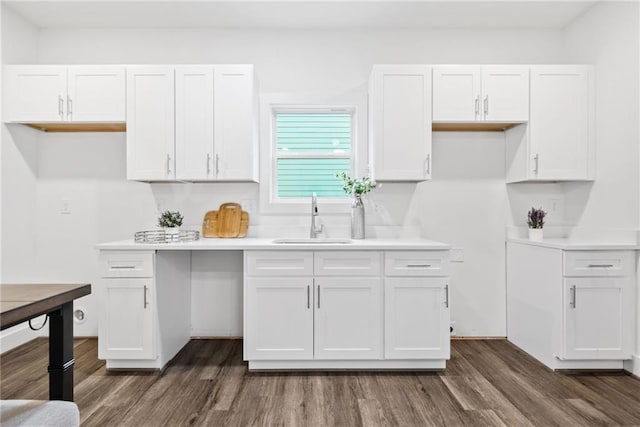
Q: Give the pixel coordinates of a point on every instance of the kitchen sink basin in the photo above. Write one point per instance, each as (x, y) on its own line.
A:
(307, 241)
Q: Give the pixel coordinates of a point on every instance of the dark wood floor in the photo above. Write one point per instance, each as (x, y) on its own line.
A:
(486, 383)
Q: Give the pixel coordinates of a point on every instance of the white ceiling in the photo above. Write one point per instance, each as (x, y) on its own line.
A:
(298, 13)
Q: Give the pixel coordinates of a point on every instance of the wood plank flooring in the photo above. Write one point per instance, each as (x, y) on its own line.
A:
(487, 383)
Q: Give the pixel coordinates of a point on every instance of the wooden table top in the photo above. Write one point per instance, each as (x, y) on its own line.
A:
(19, 303)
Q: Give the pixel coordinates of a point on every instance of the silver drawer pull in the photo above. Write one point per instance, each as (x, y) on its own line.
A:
(123, 267)
(418, 265)
(600, 265)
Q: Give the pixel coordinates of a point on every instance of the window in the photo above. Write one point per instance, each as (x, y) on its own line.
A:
(310, 145)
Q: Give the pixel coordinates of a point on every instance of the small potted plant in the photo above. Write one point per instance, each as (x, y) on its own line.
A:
(170, 222)
(535, 221)
(356, 188)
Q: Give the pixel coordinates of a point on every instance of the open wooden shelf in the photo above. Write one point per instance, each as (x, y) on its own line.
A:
(472, 127)
(79, 127)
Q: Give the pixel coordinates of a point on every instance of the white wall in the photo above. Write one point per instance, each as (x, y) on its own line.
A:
(18, 178)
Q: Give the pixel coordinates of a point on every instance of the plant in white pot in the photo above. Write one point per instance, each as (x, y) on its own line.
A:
(535, 221)
(356, 188)
(170, 222)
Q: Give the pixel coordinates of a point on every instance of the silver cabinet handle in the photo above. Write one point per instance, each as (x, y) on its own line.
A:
(418, 265)
(536, 159)
(428, 162)
(217, 164)
(477, 104)
(145, 296)
(122, 267)
(446, 301)
(486, 106)
(572, 302)
(600, 265)
(308, 296)
(168, 164)
(69, 106)
(318, 296)
(60, 106)
(208, 164)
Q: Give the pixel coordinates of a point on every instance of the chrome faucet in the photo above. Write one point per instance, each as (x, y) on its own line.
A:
(315, 230)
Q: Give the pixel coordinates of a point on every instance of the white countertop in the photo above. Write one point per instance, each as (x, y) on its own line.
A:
(572, 245)
(252, 243)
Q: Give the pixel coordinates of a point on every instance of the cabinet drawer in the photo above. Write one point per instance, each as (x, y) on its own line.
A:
(279, 263)
(599, 263)
(347, 263)
(126, 264)
(416, 263)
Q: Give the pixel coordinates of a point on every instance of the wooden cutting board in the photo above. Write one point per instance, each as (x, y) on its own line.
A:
(213, 226)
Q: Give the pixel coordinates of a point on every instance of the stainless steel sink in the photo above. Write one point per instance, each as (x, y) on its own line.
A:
(308, 241)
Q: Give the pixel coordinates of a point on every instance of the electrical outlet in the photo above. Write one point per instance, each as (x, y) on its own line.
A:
(457, 254)
(452, 329)
(65, 207)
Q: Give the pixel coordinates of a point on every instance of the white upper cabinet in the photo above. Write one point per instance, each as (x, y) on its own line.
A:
(54, 93)
(235, 123)
(150, 124)
(215, 114)
(466, 93)
(505, 93)
(400, 123)
(194, 124)
(559, 142)
(456, 93)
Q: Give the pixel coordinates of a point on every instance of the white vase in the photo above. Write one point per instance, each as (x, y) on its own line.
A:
(357, 218)
(535, 234)
(172, 234)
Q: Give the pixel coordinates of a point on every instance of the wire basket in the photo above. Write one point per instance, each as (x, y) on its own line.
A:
(162, 236)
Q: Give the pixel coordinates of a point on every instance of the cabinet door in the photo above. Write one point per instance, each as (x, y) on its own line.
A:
(416, 318)
(35, 93)
(598, 316)
(194, 123)
(150, 124)
(560, 127)
(505, 93)
(95, 94)
(456, 94)
(348, 318)
(279, 316)
(235, 108)
(400, 108)
(126, 319)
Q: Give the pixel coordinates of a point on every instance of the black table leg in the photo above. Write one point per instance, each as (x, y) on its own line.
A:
(61, 359)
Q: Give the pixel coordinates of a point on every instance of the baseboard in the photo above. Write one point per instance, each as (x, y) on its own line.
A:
(633, 366)
(16, 336)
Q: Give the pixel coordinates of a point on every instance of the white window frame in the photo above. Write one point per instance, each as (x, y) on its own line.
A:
(269, 202)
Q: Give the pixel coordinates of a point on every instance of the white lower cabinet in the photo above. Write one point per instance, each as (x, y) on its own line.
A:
(571, 309)
(416, 318)
(279, 315)
(144, 307)
(337, 309)
(597, 314)
(126, 325)
(348, 317)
